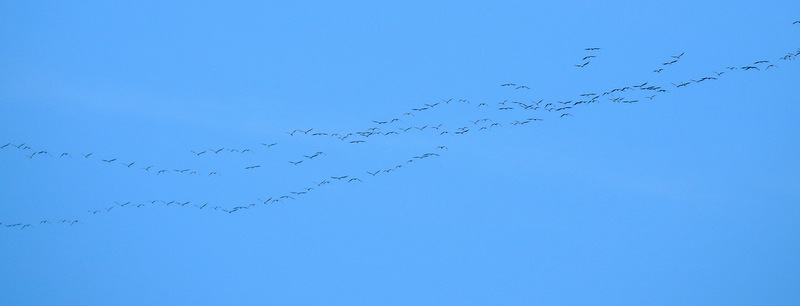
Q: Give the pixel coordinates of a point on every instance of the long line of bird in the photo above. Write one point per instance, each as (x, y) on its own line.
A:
(232, 208)
(38, 153)
(355, 137)
(560, 109)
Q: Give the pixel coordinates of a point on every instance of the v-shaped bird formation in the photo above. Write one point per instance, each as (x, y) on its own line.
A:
(486, 117)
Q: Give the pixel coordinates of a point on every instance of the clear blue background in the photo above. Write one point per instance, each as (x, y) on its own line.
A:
(687, 198)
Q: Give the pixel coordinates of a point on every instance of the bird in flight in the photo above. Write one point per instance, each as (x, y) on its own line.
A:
(109, 160)
(252, 167)
(678, 56)
(658, 70)
(509, 84)
(591, 49)
(296, 163)
(582, 65)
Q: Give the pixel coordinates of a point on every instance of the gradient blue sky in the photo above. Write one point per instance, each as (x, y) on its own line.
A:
(688, 197)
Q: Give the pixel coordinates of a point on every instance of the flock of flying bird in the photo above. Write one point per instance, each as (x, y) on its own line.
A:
(559, 109)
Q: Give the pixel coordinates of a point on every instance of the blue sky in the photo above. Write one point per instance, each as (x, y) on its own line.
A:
(647, 194)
